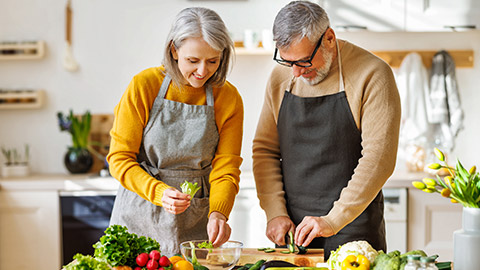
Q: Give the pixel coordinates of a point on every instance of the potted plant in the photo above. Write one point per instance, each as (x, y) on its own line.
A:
(460, 186)
(78, 158)
(15, 163)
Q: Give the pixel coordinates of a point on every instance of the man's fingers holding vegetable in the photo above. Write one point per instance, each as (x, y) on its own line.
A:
(174, 201)
(310, 228)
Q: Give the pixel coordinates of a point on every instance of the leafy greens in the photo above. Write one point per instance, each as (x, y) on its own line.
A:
(190, 188)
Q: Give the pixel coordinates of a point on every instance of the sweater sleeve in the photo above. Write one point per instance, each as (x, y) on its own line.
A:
(266, 152)
(225, 174)
(379, 119)
(131, 116)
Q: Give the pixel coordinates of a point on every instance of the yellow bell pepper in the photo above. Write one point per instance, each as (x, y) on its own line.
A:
(353, 262)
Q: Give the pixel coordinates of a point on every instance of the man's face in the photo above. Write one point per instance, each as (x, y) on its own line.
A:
(321, 62)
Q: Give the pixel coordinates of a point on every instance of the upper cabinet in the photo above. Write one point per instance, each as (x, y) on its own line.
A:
(403, 15)
(442, 15)
(372, 15)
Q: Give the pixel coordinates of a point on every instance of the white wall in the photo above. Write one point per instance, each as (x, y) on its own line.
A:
(114, 40)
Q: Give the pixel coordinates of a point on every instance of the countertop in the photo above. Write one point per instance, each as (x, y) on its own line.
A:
(87, 182)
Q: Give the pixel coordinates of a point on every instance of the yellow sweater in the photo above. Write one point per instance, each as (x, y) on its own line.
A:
(131, 117)
(375, 104)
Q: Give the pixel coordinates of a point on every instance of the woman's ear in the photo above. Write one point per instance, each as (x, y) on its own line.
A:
(173, 51)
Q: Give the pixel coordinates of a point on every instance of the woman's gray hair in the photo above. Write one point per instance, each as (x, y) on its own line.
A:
(297, 20)
(201, 22)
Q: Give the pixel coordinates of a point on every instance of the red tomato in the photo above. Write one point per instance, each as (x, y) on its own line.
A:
(152, 264)
(137, 268)
(164, 261)
(142, 259)
(155, 255)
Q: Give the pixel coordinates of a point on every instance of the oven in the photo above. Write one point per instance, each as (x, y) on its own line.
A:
(84, 217)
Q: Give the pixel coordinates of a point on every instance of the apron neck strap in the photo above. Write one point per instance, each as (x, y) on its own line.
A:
(341, 84)
(166, 84)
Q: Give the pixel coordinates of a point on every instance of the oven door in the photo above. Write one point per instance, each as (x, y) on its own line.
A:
(85, 215)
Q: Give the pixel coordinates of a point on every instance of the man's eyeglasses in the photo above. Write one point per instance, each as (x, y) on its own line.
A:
(299, 63)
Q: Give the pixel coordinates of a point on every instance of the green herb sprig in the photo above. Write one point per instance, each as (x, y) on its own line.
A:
(190, 188)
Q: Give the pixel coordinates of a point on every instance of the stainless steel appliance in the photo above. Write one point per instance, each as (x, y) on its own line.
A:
(85, 215)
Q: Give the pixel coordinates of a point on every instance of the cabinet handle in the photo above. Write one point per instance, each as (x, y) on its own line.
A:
(352, 26)
(455, 27)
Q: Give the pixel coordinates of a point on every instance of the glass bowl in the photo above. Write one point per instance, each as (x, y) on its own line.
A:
(224, 257)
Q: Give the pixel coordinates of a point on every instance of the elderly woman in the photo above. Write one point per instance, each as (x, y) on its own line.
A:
(180, 122)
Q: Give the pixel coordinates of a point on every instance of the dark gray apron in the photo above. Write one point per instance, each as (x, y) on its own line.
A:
(320, 146)
(179, 143)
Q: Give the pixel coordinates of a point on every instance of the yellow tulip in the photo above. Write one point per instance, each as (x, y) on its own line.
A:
(453, 200)
(429, 190)
(435, 166)
(472, 170)
(439, 154)
(448, 179)
(446, 192)
(429, 182)
(419, 185)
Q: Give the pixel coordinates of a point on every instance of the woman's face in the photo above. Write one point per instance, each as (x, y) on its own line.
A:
(197, 61)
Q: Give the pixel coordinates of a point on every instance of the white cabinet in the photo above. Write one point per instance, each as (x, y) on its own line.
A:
(29, 230)
(403, 15)
(442, 15)
(432, 220)
(372, 15)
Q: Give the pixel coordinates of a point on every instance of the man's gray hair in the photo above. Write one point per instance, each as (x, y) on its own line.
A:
(205, 23)
(297, 20)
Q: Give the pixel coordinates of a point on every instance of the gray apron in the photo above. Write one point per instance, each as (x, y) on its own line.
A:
(320, 146)
(179, 143)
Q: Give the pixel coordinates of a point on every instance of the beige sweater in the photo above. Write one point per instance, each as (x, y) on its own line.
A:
(375, 104)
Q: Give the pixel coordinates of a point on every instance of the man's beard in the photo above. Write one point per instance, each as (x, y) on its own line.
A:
(322, 73)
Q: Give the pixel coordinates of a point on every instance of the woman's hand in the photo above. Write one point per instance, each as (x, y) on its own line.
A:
(218, 230)
(174, 201)
(277, 228)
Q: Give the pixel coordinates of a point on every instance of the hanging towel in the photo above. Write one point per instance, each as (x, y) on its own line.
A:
(412, 83)
(443, 103)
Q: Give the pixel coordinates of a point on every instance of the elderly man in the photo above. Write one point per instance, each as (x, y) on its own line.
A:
(327, 136)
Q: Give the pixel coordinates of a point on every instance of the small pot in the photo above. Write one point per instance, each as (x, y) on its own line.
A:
(16, 170)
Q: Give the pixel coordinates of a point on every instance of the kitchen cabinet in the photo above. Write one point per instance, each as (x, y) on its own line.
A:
(432, 219)
(29, 230)
(372, 15)
(442, 15)
(403, 15)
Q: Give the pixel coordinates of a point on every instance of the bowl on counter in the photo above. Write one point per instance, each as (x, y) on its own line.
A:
(224, 257)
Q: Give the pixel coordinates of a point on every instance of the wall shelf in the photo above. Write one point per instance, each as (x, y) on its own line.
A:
(21, 99)
(462, 58)
(22, 50)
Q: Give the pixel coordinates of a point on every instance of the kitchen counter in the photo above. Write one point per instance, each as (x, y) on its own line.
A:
(86, 182)
(59, 182)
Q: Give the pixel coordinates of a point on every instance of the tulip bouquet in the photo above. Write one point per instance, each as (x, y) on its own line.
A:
(460, 185)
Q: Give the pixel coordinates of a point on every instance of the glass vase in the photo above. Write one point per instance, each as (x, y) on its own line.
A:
(78, 160)
(466, 241)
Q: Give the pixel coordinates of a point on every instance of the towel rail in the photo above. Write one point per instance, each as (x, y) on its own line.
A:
(462, 58)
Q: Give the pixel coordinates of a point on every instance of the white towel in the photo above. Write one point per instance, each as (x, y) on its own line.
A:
(412, 82)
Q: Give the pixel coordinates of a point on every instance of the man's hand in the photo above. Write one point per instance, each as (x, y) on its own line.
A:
(277, 228)
(217, 228)
(175, 201)
(310, 228)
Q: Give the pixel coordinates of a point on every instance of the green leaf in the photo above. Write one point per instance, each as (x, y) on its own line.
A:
(190, 188)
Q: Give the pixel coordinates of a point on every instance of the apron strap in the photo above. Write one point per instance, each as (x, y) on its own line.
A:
(209, 91)
(341, 84)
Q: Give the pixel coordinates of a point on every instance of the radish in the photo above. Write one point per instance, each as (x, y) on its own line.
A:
(142, 259)
(152, 264)
(155, 255)
(164, 261)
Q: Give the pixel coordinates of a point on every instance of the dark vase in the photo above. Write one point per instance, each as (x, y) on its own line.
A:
(78, 160)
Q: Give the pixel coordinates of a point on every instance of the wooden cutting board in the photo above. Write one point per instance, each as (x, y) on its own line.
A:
(310, 259)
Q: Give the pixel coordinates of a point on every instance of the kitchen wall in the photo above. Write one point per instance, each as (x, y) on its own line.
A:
(114, 40)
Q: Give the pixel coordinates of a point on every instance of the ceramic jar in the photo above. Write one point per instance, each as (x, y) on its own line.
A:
(466, 241)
